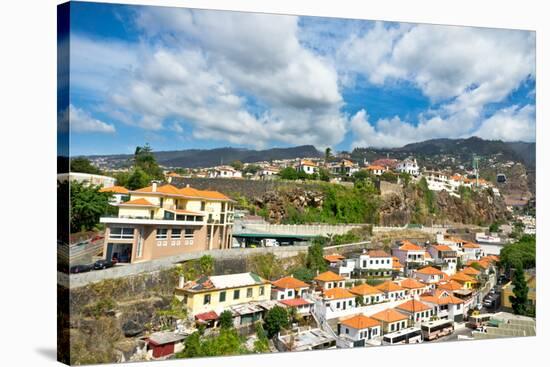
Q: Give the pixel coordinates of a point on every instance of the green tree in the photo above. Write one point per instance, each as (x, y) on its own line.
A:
(288, 173)
(145, 159)
(261, 345)
(206, 264)
(324, 175)
(138, 179)
(405, 178)
(494, 227)
(87, 205)
(276, 319)
(226, 319)
(251, 168)
(389, 177)
(521, 290)
(359, 300)
(522, 253)
(304, 274)
(328, 154)
(238, 165)
(192, 345)
(267, 265)
(314, 259)
(83, 165)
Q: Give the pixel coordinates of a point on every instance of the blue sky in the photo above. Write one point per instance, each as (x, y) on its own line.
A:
(179, 79)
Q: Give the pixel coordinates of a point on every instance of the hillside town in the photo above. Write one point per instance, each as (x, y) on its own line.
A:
(360, 285)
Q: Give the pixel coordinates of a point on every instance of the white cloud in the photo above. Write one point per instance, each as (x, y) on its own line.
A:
(461, 68)
(243, 78)
(512, 123)
(81, 121)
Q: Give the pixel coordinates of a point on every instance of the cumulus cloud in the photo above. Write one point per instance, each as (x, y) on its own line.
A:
(81, 121)
(512, 123)
(460, 69)
(241, 78)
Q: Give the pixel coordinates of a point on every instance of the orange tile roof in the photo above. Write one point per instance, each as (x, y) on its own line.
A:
(461, 277)
(443, 248)
(337, 293)
(450, 286)
(307, 162)
(364, 289)
(375, 168)
(115, 189)
(389, 315)
(427, 255)
(389, 286)
(333, 258)
(430, 270)
(395, 263)
(138, 202)
(186, 191)
(378, 253)
(470, 245)
(295, 302)
(181, 211)
(412, 283)
(441, 298)
(328, 276)
(414, 305)
(360, 322)
(409, 246)
(483, 264)
(289, 283)
(471, 271)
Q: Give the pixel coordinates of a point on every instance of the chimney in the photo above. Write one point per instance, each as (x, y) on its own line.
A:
(181, 281)
(154, 189)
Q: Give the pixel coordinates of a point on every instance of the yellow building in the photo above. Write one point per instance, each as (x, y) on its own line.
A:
(508, 290)
(159, 221)
(218, 293)
(465, 280)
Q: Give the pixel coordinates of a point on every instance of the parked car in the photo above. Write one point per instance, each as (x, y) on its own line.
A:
(82, 268)
(103, 264)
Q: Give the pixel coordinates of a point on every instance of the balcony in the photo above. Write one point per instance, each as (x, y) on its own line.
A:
(149, 221)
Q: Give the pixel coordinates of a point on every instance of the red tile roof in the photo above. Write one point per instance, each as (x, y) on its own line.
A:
(389, 286)
(409, 246)
(295, 302)
(333, 258)
(412, 283)
(430, 270)
(138, 202)
(378, 253)
(115, 189)
(207, 316)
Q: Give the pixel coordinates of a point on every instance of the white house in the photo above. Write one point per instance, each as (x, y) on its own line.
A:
(429, 275)
(409, 166)
(370, 294)
(340, 265)
(375, 260)
(359, 328)
(338, 299)
(409, 253)
(329, 280)
(418, 311)
(445, 305)
(472, 251)
(444, 255)
(307, 166)
(288, 288)
(302, 306)
(376, 170)
(415, 287)
(393, 291)
(225, 172)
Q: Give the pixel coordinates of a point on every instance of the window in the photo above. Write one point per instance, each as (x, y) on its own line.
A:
(376, 262)
(119, 233)
(206, 299)
(282, 296)
(176, 233)
(262, 291)
(222, 296)
(162, 233)
(203, 206)
(188, 236)
(236, 294)
(364, 263)
(392, 327)
(161, 202)
(347, 331)
(337, 304)
(248, 292)
(289, 293)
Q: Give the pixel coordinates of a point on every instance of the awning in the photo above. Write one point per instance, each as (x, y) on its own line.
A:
(207, 316)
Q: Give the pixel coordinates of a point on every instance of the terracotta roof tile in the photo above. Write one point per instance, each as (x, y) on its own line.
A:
(290, 283)
(328, 276)
(295, 302)
(412, 284)
(138, 202)
(337, 293)
(364, 289)
(360, 322)
(409, 246)
(115, 189)
(389, 315)
(429, 270)
(389, 286)
(414, 305)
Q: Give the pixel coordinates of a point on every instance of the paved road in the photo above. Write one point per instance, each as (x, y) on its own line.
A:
(461, 329)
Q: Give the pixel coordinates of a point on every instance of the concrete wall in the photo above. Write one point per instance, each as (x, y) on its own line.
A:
(290, 229)
(79, 280)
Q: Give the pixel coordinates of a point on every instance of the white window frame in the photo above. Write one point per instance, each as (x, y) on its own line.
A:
(121, 235)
